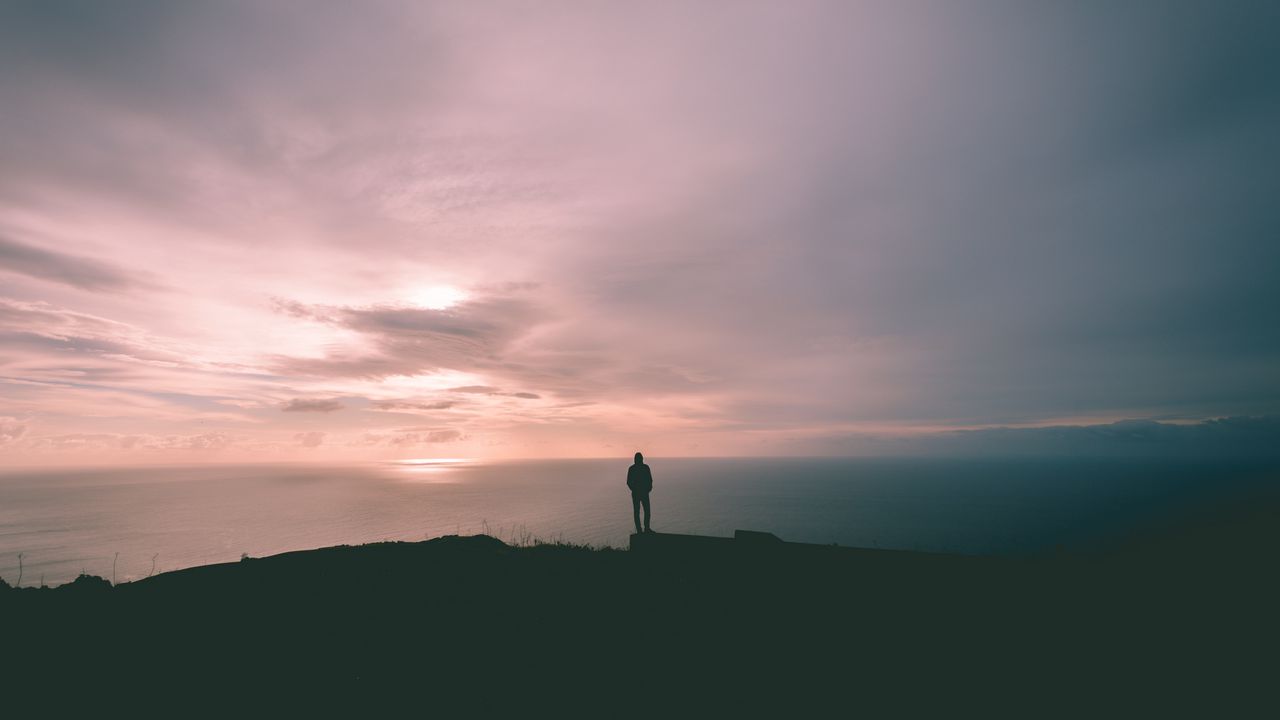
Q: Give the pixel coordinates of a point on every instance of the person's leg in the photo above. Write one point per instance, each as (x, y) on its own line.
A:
(635, 510)
(645, 500)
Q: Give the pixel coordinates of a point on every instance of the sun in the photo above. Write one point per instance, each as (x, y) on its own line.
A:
(437, 297)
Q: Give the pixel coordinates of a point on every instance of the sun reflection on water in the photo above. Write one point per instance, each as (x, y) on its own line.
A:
(434, 470)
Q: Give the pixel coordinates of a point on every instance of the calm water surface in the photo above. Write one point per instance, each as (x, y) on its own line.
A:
(65, 522)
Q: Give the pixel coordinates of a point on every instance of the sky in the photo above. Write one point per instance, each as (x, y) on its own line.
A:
(336, 230)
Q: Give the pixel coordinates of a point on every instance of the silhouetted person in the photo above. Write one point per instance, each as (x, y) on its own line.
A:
(640, 480)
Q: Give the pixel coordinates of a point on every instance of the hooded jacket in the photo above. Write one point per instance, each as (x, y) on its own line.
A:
(639, 479)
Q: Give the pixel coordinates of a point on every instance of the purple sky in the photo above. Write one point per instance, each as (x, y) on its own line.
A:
(277, 230)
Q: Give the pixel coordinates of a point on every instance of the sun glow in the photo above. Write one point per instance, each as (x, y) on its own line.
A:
(437, 297)
(426, 462)
(431, 470)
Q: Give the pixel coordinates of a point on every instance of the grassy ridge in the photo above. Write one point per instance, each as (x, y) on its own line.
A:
(475, 620)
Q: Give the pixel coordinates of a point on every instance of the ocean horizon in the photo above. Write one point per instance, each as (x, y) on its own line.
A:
(127, 523)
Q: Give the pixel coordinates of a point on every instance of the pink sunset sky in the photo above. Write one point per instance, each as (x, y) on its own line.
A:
(278, 231)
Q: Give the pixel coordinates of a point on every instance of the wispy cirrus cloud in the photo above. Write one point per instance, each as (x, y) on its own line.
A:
(44, 319)
(51, 265)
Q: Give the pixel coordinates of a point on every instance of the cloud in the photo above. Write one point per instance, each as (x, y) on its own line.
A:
(73, 442)
(207, 441)
(81, 272)
(296, 309)
(1225, 438)
(475, 389)
(491, 390)
(411, 405)
(44, 329)
(442, 436)
(409, 437)
(312, 405)
(45, 319)
(1232, 438)
(411, 341)
(101, 442)
(759, 231)
(310, 439)
(11, 430)
(424, 438)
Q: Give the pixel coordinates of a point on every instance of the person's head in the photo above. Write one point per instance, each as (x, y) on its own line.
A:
(639, 458)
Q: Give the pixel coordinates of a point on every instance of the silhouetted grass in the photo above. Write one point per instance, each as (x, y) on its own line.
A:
(471, 618)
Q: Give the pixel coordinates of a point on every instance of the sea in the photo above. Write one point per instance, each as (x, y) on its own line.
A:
(127, 523)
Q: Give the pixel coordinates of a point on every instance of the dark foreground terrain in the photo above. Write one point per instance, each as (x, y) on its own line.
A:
(1179, 618)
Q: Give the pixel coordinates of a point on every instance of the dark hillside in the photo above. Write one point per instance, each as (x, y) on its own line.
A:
(471, 619)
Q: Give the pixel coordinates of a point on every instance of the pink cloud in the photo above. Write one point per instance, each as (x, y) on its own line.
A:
(312, 405)
(709, 229)
(310, 439)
